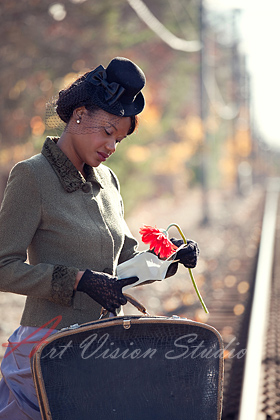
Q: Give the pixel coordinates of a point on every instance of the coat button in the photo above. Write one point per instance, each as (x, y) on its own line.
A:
(108, 271)
(86, 187)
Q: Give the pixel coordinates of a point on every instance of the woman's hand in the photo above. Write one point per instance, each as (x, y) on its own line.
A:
(187, 255)
(104, 288)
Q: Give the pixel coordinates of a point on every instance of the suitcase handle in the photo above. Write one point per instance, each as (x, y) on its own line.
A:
(138, 305)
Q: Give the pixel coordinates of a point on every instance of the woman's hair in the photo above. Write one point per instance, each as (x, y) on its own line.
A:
(79, 94)
(134, 124)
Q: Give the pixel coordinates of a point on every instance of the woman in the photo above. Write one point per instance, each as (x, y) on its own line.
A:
(62, 208)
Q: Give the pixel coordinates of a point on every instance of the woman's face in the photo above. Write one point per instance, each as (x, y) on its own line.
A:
(96, 137)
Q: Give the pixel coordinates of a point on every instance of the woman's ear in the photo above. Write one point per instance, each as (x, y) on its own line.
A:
(79, 112)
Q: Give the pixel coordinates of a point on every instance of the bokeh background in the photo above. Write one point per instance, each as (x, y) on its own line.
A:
(197, 129)
(199, 157)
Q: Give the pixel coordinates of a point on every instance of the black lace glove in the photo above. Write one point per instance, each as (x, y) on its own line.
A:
(105, 289)
(188, 255)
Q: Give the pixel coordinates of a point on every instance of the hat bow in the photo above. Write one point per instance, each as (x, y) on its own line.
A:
(113, 91)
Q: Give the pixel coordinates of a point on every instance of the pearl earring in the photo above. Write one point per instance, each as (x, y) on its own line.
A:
(78, 121)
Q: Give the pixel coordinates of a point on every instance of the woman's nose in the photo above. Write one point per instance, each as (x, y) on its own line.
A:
(111, 145)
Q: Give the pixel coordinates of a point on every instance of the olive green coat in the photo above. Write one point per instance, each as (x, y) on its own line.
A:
(68, 224)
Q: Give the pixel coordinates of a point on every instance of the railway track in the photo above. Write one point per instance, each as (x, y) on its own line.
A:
(252, 380)
(260, 397)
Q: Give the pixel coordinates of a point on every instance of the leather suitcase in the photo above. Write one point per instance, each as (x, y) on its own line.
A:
(131, 368)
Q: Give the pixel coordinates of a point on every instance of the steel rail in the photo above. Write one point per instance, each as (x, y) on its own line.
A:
(249, 404)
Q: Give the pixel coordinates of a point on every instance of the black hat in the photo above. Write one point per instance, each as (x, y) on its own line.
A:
(118, 87)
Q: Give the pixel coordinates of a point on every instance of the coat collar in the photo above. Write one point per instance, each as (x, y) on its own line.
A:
(70, 178)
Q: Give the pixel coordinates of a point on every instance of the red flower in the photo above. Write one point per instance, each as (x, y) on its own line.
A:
(158, 241)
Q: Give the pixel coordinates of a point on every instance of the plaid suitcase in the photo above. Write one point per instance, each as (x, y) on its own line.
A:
(131, 368)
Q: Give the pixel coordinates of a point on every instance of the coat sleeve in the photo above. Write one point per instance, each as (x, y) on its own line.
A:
(20, 216)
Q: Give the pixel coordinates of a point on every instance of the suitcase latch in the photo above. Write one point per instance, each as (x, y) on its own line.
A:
(126, 324)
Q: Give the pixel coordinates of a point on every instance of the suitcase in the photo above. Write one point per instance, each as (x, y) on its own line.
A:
(131, 368)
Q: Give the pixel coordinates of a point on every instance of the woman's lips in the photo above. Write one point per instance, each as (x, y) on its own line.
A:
(102, 156)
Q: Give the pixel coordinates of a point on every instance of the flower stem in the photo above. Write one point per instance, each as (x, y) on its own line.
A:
(197, 292)
(190, 271)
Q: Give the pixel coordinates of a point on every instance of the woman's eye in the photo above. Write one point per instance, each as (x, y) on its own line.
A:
(107, 132)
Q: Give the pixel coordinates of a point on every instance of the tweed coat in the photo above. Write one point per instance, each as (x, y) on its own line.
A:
(53, 223)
